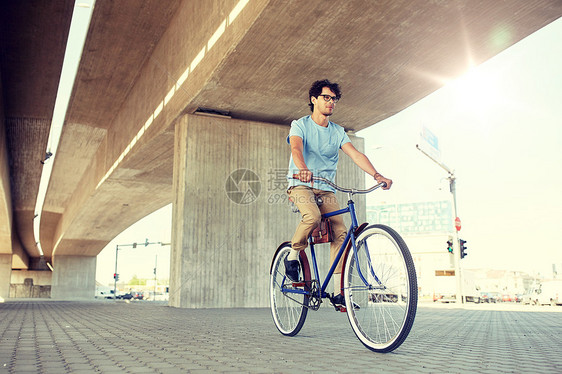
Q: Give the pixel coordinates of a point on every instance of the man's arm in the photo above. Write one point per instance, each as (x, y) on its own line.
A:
(304, 175)
(365, 164)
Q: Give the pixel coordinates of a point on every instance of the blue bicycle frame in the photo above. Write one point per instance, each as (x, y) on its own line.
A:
(350, 236)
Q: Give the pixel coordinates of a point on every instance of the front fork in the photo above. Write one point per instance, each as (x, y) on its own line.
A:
(364, 247)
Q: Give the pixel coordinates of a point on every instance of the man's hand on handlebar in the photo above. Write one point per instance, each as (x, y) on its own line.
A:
(380, 179)
(305, 176)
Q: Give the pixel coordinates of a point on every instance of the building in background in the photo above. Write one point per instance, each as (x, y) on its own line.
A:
(426, 227)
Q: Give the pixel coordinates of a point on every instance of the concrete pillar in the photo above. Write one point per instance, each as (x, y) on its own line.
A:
(74, 278)
(5, 275)
(5, 209)
(230, 210)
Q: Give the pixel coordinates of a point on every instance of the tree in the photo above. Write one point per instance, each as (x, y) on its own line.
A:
(135, 281)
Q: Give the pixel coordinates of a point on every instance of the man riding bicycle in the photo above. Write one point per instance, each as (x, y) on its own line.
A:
(315, 142)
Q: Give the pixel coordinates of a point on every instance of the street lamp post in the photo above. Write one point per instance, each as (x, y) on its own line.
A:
(155, 279)
(115, 274)
(456, 247)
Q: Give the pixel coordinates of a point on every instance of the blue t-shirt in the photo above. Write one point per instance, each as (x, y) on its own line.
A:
(320, 150)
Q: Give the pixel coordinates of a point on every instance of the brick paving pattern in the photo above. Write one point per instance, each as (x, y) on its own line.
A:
(144, 337)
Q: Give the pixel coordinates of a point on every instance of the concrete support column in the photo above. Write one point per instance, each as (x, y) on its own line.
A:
(230, 210)
(74, 278)
(5, 275)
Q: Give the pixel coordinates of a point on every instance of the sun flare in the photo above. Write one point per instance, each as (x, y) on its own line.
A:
(476, 92)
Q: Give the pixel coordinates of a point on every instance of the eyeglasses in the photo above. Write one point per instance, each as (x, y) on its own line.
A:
(327, 98)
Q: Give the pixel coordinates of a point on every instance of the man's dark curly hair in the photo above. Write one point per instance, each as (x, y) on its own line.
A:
(316, 90)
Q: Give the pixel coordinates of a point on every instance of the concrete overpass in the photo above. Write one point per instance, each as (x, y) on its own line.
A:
(136, 136)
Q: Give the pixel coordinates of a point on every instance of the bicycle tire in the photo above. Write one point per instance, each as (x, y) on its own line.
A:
(288, 310)
(387, 307)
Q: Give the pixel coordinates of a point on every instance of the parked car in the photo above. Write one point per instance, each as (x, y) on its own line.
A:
(103, 293)
(139, 295)
(550, 292)
(125, 296)
(489, 297)
(507, 297)
(530, 297)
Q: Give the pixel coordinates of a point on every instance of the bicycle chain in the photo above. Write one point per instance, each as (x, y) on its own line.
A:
(314, 300)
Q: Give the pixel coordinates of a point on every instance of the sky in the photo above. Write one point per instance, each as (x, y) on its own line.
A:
(142, 260)
(499, 127)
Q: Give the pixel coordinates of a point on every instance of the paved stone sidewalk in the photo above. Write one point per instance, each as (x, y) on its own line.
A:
(143, 337)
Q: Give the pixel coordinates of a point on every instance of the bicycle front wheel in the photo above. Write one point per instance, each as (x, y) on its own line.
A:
(380, 289)
(288, 309)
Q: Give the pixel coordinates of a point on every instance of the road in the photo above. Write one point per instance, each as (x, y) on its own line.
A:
(149, 337)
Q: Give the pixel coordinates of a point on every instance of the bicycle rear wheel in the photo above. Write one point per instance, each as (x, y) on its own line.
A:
(288, 309)
(386, 294)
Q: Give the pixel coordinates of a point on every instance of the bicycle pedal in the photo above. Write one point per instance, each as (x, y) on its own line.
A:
(339, 308)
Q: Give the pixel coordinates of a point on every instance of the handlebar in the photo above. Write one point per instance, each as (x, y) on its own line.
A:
(342, 189)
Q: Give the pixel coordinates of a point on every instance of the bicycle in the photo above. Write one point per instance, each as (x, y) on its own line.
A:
(378, 281)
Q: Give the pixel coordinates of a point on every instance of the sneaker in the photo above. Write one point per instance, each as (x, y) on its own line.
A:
(292, 269)
(338, 302)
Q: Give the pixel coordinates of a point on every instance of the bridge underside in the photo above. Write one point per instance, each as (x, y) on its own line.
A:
(148, 66)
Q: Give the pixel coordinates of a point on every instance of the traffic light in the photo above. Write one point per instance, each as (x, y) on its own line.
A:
(116, 276)
(450, 245)
(146, 243)
(463, 247)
